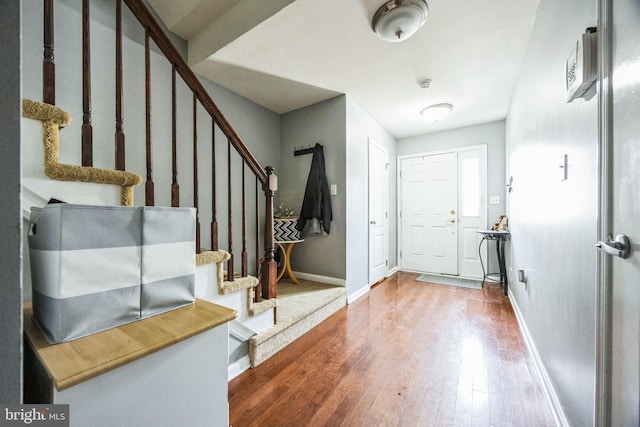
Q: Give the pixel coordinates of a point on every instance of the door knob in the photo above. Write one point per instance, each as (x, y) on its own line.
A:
(620, 247)
(452, 220)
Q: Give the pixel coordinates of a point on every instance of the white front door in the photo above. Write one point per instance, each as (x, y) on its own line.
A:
(443, 203)
(413, 213)
(378, 213)
(430, 213)
(442, 213)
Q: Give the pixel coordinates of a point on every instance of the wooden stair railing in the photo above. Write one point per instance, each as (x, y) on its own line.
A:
(265, 179)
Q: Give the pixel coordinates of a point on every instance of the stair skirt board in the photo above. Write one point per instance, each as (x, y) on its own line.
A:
(300, 308)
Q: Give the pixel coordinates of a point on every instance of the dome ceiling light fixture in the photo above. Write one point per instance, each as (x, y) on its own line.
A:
(397, 20)
(437, 112)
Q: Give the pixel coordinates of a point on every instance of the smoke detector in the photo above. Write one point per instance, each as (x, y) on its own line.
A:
(425, 84)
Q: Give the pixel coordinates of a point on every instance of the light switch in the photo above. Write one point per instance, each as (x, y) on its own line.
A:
(334, 189)
(494, 200)
(563, 167)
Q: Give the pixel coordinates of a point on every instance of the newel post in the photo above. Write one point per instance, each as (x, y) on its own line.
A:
(269, 270)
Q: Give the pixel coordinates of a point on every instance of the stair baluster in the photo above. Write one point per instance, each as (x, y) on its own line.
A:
(243, 255)
(48, 63)
(229, 212)
(195, 171)
(119, 135)
(175, 186)
(258, 292)
(149, 186)
(214, 215)
(87, 128)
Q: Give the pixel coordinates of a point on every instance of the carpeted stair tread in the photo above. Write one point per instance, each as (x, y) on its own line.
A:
(300, 308)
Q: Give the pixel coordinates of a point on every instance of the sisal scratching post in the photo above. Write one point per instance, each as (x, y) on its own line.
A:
(53, 118)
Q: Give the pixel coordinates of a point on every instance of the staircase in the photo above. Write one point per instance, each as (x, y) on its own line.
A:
(148, 133)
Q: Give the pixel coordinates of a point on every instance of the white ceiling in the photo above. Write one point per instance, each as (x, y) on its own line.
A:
(287, 54)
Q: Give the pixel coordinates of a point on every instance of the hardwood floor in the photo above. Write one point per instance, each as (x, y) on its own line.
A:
(406, 354)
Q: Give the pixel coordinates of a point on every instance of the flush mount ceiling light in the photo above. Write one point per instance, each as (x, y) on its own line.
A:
(397, 20)
(436, 112)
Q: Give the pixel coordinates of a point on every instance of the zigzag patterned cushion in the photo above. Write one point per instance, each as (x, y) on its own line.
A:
(284, 229)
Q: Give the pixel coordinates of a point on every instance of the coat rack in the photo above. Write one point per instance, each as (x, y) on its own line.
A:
(303, 151)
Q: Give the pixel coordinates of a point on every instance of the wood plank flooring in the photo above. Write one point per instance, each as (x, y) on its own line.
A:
(406, 354)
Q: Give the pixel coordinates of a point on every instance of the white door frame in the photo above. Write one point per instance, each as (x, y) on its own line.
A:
(617, 380)
(431, 153)
(372, 280)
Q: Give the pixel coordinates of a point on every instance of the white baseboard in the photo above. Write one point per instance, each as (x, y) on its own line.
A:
(394, 270)
(547, 386)
(238, 367)
(321, 279)
(357, 294)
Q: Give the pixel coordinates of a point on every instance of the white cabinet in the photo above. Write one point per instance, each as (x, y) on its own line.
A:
(168, 370)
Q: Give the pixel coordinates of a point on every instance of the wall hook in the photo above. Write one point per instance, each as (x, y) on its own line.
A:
(510, 184)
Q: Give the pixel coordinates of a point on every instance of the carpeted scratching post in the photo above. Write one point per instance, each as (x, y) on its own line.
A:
(54, 118)
(226, 287)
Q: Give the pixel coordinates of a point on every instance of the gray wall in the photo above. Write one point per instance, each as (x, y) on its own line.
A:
(553, 222)
(258, 127)
(344, 129)
(11, 214)
(324, 122)
(361, 127)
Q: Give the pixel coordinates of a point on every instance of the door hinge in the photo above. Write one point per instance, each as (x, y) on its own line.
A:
(386, 262)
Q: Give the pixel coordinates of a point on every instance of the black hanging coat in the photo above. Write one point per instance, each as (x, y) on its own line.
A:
(317, 199)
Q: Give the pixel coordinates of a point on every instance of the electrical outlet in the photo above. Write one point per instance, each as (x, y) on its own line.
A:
(494, 200)
(522, 278)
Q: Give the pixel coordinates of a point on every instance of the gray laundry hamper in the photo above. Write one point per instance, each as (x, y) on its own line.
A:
(98, 267)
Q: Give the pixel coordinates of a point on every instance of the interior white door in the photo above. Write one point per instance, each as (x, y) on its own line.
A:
(378, 213)
(429, 213)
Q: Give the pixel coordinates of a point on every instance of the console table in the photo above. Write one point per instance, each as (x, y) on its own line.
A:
(287, 246)
(500, 237)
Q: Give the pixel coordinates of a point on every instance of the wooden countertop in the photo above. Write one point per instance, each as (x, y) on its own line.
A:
(73, 362)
